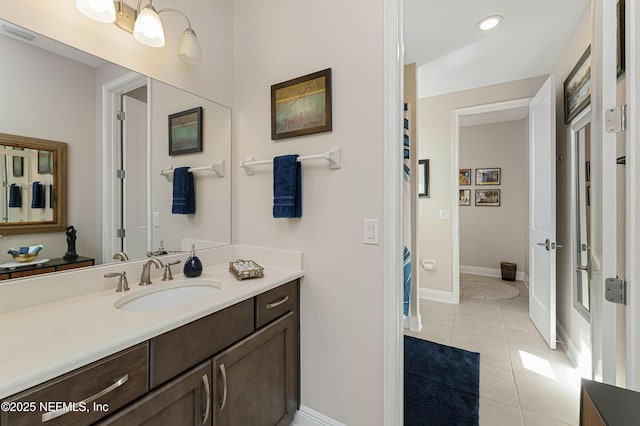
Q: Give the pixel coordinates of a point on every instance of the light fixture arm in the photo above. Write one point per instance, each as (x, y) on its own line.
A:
(169, 9)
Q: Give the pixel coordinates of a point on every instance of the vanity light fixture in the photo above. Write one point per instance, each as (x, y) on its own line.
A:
(144, 24)
(489, 22)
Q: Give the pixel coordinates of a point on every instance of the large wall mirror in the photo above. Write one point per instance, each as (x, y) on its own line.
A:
(116, 196)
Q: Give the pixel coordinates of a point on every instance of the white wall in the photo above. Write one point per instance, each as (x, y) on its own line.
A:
(435, 141)
(342, 291)
(31, 108)
(490, 235)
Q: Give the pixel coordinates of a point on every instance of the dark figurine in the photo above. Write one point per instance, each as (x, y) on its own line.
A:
(71, 243)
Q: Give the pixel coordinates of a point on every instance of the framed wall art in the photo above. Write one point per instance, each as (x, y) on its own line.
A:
(489, 176)
(185, 131)
(488, 197)
(465, 197)
(620, 42)
(465, 177)
(423, 178)
(577, 87)
(301, 106)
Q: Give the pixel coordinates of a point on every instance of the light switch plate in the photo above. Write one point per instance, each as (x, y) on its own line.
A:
(445, 214)
(371, 231)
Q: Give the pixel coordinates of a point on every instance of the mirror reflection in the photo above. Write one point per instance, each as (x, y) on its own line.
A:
(115, 124)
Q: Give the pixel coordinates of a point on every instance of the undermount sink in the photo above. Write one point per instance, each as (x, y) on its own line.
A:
(163, 296)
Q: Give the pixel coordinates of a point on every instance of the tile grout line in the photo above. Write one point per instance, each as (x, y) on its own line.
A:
(513, 376)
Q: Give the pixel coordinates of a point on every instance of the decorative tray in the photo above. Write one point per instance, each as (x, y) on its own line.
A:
(14, 265)
(244, 269)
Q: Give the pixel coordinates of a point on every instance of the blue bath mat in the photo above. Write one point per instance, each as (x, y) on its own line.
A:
(441, 384)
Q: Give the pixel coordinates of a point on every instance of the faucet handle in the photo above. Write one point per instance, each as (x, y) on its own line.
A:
(168, 275)
(123, 284)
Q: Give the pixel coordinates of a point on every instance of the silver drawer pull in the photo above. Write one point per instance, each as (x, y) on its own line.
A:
(278, 303)
(55, 414)
(207, 391)
(223, 371)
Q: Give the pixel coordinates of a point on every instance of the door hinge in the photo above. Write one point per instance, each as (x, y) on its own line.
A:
(120, 115)
(616, 119)
(120, 174)
(616, 290)
(120, 233)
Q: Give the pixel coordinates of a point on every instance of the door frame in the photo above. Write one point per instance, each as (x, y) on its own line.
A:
(633, 201)
(111, 92)
(457, 115)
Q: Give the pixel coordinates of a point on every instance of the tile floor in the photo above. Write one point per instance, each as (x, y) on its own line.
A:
(522, 381)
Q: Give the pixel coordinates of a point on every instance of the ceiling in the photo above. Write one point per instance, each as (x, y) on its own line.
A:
(452, 54)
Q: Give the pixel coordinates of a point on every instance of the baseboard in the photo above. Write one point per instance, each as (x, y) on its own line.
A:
(489, 272)
(437, 295)
(525, 279)
(305, 416)
(571, 349)
(415, 323)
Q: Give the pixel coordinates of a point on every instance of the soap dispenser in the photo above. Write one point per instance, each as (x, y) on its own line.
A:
(192, 266)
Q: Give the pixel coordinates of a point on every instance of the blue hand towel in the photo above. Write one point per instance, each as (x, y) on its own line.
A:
(15, 196)
(37, 196)
(287, 186)
(184, 195)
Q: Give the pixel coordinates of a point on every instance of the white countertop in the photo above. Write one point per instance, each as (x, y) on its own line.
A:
(45, 341)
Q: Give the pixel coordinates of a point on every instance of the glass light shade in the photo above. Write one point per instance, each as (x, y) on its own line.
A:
(189, 50)
(148, 28)
(98, 10)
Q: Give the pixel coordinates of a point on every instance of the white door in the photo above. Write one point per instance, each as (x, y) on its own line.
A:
(607, 332)
(542, 211)
(134, 209)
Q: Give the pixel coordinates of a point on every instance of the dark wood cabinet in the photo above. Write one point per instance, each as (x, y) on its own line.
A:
(53, 265)
(98, 389)
(238, 366)
(184, 401)
(255, 379)
(606, 405)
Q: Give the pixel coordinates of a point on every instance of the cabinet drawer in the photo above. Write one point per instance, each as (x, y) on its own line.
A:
(185, 401)
(101, 387)
(275, 303)
(180, 349)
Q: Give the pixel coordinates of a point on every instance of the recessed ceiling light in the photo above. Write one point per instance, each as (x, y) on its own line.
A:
(489, 22)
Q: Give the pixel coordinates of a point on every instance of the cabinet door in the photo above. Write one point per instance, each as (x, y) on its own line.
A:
(255, 379)
(184, 401)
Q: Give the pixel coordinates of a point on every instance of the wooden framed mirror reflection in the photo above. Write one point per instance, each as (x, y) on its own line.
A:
(33, 173)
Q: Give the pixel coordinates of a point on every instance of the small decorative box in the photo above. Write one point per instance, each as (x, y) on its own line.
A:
(243, 269)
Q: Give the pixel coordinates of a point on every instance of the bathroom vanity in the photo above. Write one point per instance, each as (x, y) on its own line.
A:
(233, 361)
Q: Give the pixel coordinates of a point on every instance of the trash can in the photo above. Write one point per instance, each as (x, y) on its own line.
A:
(508, 271)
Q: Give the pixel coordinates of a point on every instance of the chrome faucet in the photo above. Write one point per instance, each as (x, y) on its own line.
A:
(145, 278)
(121, 256)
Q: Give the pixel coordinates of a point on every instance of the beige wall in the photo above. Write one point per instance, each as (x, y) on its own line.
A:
(435, 141)
(490, 235)
(342, 291)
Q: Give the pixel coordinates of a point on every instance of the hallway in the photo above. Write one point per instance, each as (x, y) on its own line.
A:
(522, 381)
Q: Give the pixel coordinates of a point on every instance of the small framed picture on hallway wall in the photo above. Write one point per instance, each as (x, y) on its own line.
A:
(488, 197)
(488, 176)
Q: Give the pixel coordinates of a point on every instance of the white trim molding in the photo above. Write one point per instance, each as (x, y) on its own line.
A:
(438, 296)
(308, 417)
(490, 272)
(581, 360)
(393, 363)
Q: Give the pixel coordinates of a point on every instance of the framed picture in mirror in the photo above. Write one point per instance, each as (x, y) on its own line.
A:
(185, 131)
(18, 166)
(423, 178)
(45, 162)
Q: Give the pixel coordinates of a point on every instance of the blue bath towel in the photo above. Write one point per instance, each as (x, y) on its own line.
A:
(37, 196)
(184, 194)
(15, 196)
(287, 186)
